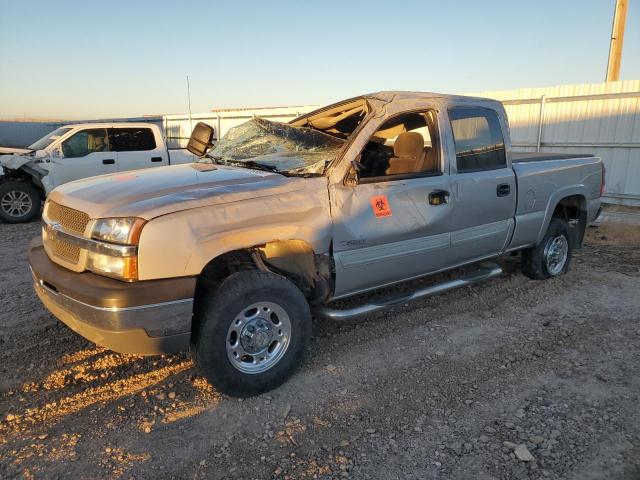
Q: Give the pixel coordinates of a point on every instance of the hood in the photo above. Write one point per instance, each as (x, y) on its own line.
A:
(158, 191)
(14, 151)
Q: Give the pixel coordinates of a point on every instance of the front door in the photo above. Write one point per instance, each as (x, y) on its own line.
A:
(85, 154)
(484, 187)
(392, 222)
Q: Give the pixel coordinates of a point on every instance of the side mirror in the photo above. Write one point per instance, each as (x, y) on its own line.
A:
(201, 139)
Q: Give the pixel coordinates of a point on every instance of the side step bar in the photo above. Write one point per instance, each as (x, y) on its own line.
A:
(486, 271)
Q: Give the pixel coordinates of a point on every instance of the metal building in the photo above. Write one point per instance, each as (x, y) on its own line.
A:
(178, 127)
(601, 118)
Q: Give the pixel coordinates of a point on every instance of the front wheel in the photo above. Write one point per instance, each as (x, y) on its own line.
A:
(552, 256)
(252, 333)
(19, 202)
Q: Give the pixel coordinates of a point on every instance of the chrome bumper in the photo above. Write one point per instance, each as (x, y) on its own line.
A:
(143, 330)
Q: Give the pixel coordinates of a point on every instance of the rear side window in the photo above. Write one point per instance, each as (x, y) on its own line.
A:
(478, 139)
(132, 139)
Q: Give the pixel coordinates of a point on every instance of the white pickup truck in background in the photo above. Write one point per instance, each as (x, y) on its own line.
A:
(73, 152)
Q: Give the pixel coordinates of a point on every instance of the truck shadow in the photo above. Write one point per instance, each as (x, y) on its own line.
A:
(160, 389)
(104, 410)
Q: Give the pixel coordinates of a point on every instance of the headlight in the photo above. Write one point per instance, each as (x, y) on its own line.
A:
(125, 231)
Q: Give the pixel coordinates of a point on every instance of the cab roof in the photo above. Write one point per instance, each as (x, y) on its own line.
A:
(110, 125)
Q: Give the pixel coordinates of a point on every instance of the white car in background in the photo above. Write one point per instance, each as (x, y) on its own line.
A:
(73, 152)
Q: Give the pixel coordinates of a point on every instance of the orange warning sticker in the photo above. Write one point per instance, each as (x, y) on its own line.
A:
(381, 207)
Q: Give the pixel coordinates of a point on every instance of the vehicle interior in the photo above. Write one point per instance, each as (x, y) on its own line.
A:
(86, 142)
(339, 121)
(404, 145)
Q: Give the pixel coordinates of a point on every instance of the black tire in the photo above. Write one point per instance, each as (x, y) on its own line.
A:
(26, 194)
(534, 261)
(215, 317)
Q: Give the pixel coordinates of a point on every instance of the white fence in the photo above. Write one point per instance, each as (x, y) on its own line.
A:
(603, 119)
(178, 127)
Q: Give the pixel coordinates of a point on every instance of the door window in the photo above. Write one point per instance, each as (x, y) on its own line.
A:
(85, 142)
(477, 135)
(404, 146)
(132, 139)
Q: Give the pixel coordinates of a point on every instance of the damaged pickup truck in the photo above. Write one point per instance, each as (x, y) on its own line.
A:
(72, 152)
(231, 256)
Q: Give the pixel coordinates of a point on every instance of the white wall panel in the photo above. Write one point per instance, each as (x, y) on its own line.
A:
(602, 118)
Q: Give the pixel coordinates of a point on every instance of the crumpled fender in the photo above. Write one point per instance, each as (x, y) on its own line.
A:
(47, 183)
(29, 165)
(14, 162)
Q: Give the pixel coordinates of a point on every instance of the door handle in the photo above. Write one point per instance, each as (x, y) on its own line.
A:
(156, 159)
(503, 190)
(438, 197)
(108, 161)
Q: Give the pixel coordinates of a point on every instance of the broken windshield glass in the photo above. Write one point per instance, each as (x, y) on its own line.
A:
(276, 146)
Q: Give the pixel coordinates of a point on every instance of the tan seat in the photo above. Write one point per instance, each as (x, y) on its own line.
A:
(430, 160)
(96, 143)
(409, 154)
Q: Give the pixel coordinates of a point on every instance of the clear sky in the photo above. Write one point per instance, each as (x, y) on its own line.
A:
(90, 59)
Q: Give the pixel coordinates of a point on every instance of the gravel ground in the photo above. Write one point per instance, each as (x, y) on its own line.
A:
(508, 379)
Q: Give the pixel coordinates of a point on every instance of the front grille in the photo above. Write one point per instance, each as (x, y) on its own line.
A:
(68, 218)
(66, 251)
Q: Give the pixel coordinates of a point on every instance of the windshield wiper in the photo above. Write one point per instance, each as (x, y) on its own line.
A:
(243, 163)
(252, 164)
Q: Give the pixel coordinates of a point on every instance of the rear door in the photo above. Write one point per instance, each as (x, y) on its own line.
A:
(86, 153)
(137, 147)
(392, 222)
(483, 185)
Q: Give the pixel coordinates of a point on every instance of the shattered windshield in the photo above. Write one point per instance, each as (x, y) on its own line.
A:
(276, 146)
(48, 139)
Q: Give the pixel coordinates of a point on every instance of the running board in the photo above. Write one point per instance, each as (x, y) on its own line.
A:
(486, 271)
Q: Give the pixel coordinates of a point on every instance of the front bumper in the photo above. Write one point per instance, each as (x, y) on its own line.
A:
(145, 318)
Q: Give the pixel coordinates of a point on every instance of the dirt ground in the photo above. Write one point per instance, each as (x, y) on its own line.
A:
(512, 378)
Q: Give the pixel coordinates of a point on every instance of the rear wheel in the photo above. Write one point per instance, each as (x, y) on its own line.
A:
(552, 256)
(19, 202)
(252, 333)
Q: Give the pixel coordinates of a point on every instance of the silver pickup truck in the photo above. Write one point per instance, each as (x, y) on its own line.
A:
(231, 256)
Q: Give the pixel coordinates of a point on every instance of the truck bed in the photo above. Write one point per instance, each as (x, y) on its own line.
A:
(544, 178)
(521, 157)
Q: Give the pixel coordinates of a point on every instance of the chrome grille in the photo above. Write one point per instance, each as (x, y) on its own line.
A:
(66, 251)
(68, 218)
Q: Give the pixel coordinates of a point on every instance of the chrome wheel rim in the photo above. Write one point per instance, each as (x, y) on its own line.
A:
(258, 337)
(555, 254)
(16, 203)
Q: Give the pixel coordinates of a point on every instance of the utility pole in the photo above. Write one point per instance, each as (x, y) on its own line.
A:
(617, 39)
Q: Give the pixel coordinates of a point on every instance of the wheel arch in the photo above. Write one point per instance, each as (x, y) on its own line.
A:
(570, 204)
(25, 174)
(293, 259)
